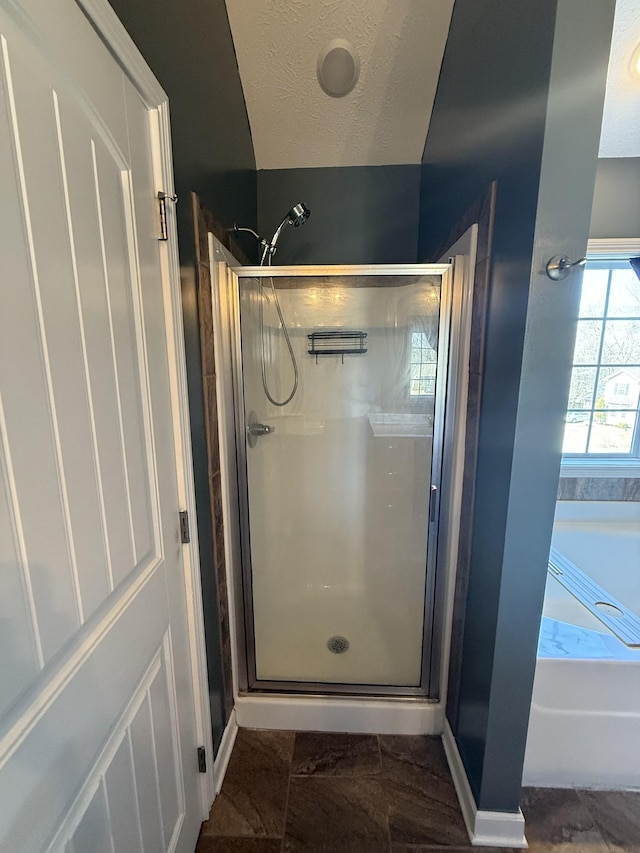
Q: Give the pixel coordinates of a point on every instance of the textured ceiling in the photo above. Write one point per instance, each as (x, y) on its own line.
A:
(621, 120)
(383, 121)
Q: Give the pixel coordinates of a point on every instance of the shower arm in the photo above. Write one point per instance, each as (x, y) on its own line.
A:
(268, 249)
(238, 228)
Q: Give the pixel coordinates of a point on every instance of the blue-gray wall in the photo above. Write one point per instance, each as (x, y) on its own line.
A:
(189, 48)
(488, 123)
(359, 214)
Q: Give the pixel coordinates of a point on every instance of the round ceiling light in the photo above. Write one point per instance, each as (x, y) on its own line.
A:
(338, 68)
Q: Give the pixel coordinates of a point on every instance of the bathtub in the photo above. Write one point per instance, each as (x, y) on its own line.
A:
(584, 727)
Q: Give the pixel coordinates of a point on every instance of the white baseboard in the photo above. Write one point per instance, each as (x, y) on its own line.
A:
(460, 781)
(335, 714)
(499, 829)
(224, 753)
(486, 829)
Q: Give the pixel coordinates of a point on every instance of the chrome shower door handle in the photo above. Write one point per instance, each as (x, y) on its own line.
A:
(261, 429)
(255, 429)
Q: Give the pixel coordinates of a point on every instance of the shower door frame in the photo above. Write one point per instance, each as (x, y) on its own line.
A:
(246, 651)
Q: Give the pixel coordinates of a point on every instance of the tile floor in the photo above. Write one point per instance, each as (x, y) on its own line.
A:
(286, 792)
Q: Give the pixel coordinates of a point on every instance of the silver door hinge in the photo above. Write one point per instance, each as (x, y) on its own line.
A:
(202, 759)
(185, 536)
(162, 204)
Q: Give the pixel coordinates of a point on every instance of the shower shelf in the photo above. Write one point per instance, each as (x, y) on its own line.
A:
(337, 342)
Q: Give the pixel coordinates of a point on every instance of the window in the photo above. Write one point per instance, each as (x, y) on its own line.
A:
(422, 381)
(602, 417)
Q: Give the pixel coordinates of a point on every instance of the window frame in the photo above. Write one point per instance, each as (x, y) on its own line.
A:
(603, 464)
(420, 398)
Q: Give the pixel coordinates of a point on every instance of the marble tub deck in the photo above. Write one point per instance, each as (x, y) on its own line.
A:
(286, 792)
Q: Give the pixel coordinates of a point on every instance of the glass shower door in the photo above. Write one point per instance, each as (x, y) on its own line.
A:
(339, 480)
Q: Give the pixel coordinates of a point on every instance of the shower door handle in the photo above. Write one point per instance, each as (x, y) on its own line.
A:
(255, 429)
(432, 503)
(261, 429)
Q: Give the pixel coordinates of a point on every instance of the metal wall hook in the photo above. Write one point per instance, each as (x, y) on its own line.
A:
(560, 266)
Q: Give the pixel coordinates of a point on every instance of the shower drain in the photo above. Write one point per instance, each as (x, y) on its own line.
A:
(337, 645)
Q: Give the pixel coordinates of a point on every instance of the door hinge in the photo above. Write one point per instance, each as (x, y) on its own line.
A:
(162, 205)
(185, 536)
(202, 759)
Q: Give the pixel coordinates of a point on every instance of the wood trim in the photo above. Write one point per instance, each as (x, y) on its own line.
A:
(481, 213)
(204, 222)
(184, 457)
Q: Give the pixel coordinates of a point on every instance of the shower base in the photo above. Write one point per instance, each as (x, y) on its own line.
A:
(296, 639)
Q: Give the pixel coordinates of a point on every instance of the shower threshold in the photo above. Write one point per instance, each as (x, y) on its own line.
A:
(348, 712)
(325, 689)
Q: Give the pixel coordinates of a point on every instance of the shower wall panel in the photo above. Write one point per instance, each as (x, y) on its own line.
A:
(339, 492)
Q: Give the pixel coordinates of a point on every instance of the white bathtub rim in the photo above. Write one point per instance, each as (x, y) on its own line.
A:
(618, 652)
(597, 512)
(565, 660)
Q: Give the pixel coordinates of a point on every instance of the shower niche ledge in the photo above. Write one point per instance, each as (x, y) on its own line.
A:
(297, 424)
(392, 424)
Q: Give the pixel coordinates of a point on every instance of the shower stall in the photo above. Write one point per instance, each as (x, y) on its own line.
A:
(337, 583)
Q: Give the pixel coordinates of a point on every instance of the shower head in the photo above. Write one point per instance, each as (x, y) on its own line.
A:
(297, 216)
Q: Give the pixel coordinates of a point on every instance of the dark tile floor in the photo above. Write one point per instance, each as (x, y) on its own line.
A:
(286, 792)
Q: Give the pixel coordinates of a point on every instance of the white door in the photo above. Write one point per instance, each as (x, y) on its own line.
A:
(97, 714)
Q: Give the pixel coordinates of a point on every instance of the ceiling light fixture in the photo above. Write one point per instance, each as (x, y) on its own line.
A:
(338, 68)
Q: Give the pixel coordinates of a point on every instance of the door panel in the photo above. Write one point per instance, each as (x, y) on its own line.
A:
(342, 516)
(98, 739)
(95, 307)
(122, 798)
(31, 439)
(114, 203)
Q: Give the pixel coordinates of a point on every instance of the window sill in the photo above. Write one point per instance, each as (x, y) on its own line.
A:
(600, 467)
